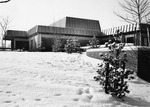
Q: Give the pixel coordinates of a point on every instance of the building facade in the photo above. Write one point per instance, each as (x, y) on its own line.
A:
(130, 34)
(42, 36)
(83, 29)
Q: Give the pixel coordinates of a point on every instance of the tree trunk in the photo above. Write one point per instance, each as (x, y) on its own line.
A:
(107, 74)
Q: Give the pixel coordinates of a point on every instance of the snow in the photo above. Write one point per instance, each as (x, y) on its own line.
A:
(36, 79)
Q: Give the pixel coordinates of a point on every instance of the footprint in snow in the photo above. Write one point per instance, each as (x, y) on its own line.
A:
(86, 98)
(38, 99)
(79, 91)
(7, 101)
(75, 99)
(23, 99)
(86, 90)
(13, 94)
(57, 94)
(8, 92)
(64, 106)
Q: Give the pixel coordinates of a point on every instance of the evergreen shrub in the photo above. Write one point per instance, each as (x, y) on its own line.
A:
(112, 74)
(72, 45)
(94, 42)
(57, 45)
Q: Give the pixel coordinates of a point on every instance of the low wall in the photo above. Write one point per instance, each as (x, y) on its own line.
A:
(138, 59)
(131, 55)
(144, 63)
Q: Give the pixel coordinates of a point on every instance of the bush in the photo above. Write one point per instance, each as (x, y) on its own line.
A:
(72, 45)
(94, 42)
(57, 45)
(112, 73)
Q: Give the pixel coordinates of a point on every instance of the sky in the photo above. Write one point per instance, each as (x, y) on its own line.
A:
(25, 14)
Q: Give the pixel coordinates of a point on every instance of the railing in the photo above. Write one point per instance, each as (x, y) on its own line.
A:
(123, 29)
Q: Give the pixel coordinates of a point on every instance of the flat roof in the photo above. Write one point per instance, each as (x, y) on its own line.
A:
(15, 33)
(64, 31)
(79, 23)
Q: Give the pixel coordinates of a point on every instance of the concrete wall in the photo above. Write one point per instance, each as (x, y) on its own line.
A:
(59, 23)
(35, 42)
(131, 55)
(138, 59)
(32, 43)
(144, 63)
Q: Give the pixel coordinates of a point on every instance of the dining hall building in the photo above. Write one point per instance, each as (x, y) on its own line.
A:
(41, 36)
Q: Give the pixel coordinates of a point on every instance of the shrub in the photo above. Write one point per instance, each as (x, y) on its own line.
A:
(94, 42)
(57, 45)
(72, 45)
(112, 72)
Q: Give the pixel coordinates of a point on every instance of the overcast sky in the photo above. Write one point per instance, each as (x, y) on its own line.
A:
(25, 14)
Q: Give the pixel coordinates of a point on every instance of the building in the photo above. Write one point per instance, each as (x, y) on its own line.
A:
(42, 36)
(19, 39)
(130, 34)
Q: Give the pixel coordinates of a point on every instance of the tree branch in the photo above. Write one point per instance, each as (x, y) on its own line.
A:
(4, 1)
(146, 14)
(4, 24)
(135, 10)
(126, 19)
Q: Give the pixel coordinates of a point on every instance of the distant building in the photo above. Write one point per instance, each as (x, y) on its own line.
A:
(42, 36)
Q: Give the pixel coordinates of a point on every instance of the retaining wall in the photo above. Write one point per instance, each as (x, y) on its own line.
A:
(138, 59)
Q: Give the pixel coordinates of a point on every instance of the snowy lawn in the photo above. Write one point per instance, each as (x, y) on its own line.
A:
(36, 79)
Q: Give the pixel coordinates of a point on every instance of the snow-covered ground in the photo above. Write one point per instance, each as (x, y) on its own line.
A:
(36, 79)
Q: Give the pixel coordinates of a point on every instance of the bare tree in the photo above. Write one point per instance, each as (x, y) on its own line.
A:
(4, 24)
(136, 11)
(4, 1)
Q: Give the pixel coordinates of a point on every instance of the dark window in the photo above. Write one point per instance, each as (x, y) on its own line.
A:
(130, 40)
